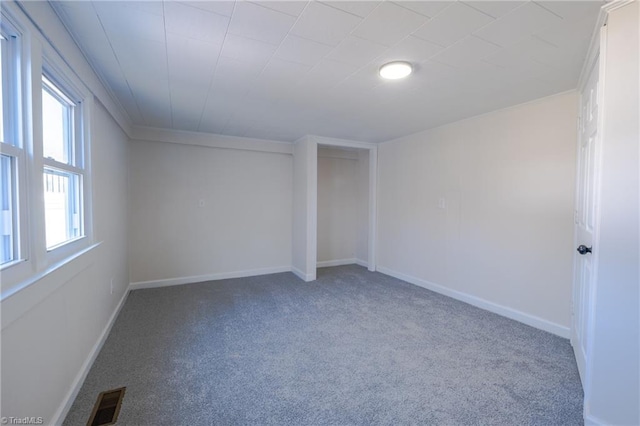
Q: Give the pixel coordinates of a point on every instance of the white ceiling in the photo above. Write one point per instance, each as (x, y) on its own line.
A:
(284, 69)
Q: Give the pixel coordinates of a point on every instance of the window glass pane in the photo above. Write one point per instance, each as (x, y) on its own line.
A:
(9, 90)
(7, 224)
(62, 206)
(57, 124)
(3, 51)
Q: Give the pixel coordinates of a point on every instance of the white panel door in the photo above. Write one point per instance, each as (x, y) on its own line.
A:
(585, 220)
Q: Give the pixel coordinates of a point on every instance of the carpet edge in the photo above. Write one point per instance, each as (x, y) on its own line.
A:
(62, 411)
(528, 319)
(208, 277)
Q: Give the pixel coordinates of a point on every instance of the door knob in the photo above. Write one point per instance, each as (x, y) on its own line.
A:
(584, 249)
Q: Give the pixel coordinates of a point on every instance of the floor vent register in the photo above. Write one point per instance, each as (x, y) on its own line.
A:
(107, 407)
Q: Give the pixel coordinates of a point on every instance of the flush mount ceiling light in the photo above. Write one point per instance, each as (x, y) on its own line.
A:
(395, 70)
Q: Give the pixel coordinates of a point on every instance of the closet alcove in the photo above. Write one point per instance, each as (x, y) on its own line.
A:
(334, 199)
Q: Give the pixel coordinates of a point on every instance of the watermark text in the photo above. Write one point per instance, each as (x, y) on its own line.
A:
(22, 420)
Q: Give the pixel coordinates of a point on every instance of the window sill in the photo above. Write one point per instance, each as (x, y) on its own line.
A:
(6, 266)
(65, 243)
(28, 293)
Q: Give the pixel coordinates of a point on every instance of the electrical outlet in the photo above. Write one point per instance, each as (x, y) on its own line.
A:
(442, 203)
(111, 285)
(201, 202)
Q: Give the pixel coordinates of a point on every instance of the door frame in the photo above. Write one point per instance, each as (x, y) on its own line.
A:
(597, 52)
(373, 191)
(593, 61)
(596, 56)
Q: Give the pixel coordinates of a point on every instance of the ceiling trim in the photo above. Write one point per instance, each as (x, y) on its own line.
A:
(47, 26)
(616, 4)
(594, 45)
(346, 143)
(209, 140)
(57, 8)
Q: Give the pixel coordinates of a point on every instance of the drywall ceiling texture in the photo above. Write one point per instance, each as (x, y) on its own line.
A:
(282, 70)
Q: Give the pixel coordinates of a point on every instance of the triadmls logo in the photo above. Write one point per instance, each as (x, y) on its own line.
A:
(22, 420)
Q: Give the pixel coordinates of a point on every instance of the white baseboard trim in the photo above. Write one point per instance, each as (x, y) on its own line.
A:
(362, 263)
(302, 275)
(337, 262)
(513, 314)
(590, 420)
(63, 410)
(210, 277)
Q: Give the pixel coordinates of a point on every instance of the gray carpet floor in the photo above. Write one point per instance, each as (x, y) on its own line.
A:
(352, 348)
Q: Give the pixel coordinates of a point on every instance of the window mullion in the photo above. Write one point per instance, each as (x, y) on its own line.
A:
(11, 150)
(49, 162)
(35, 161)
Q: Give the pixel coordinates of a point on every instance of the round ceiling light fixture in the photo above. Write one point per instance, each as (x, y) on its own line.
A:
(395, 70)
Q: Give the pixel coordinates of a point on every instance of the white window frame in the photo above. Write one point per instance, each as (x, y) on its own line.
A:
(37, 58)
(75, 164)
(17, 147)
(58, 73)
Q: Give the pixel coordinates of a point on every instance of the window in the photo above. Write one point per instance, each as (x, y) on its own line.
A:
(11, 147)
(63, 165)
(45, 179)
(7, 221)
(3, 60)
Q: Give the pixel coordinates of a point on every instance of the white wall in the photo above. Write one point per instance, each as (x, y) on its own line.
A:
(612, 395)
(47, 346)
(304, 224)
(338, 194)
(343, 206)
(52, 328)
(201, 213)
(503, 240)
